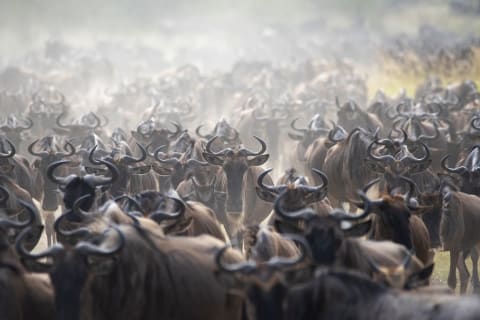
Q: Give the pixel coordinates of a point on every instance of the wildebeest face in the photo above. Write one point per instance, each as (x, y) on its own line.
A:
(324, 237)
(235, 163)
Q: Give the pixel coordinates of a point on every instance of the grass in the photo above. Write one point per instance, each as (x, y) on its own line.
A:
(392, 77)
(442, 264)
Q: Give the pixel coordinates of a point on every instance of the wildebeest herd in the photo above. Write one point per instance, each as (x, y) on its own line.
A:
(151, 212)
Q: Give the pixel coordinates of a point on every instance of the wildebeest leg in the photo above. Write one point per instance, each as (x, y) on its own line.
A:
(475, 280)
(452, 273)
(49, 218)
(463, 272)
(235, 223)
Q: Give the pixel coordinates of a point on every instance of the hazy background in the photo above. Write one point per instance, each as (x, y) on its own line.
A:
(213, 33)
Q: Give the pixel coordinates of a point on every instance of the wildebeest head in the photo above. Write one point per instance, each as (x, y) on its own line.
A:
(468, 171)
(227, 135)
(265, 289)
(297, 193)
(235, 162)
(177, 166)
(126, 167)
(13, 128)
(75, 187)
(351, 116)
(418, 124)
(49, 153)
(325, 235)
(72, 267)
(397, 276)
(10, 226)
(401, 163)
(394, 212)
(152, 133)
(315, 129)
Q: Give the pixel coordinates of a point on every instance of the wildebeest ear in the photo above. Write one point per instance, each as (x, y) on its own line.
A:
(265, 195)
(359, 229)
(285, 227)
(420, 277)
(212, 159)
(258, 160)
(294, 136)
(375, 167)
(139, 170)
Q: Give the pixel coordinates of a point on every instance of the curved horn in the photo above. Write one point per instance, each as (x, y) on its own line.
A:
(24, 253)
(159, 215)
(283, 262)
(97, 120)
(178, 128)
(12, 150)
(473, 121)
(50, 173)
(29, 124)
(435, 135)
(96, 181)
(301, 214)
(260, 178)
(197, 131)
(411, 190)
(72, 150)
(143, 156)
(331, 134)
(241, 267)
(292, 125)
(156, 155)
(78, 214)
(458, 170)
(91, 158)
(378, 158)
(262, 150)
(58, 122)
(88, 248)
(370, 184)
(436, 106)
(209, 150)
(339, 214)
(425, 157)
(323, 177)
(38, 154)
(32, 213)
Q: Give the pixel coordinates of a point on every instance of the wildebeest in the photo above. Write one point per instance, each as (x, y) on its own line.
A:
(345, 168)
(333, 240)
(237, 177)
(395, 220)
(338, 294)
(23, 296)
(175, 279)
